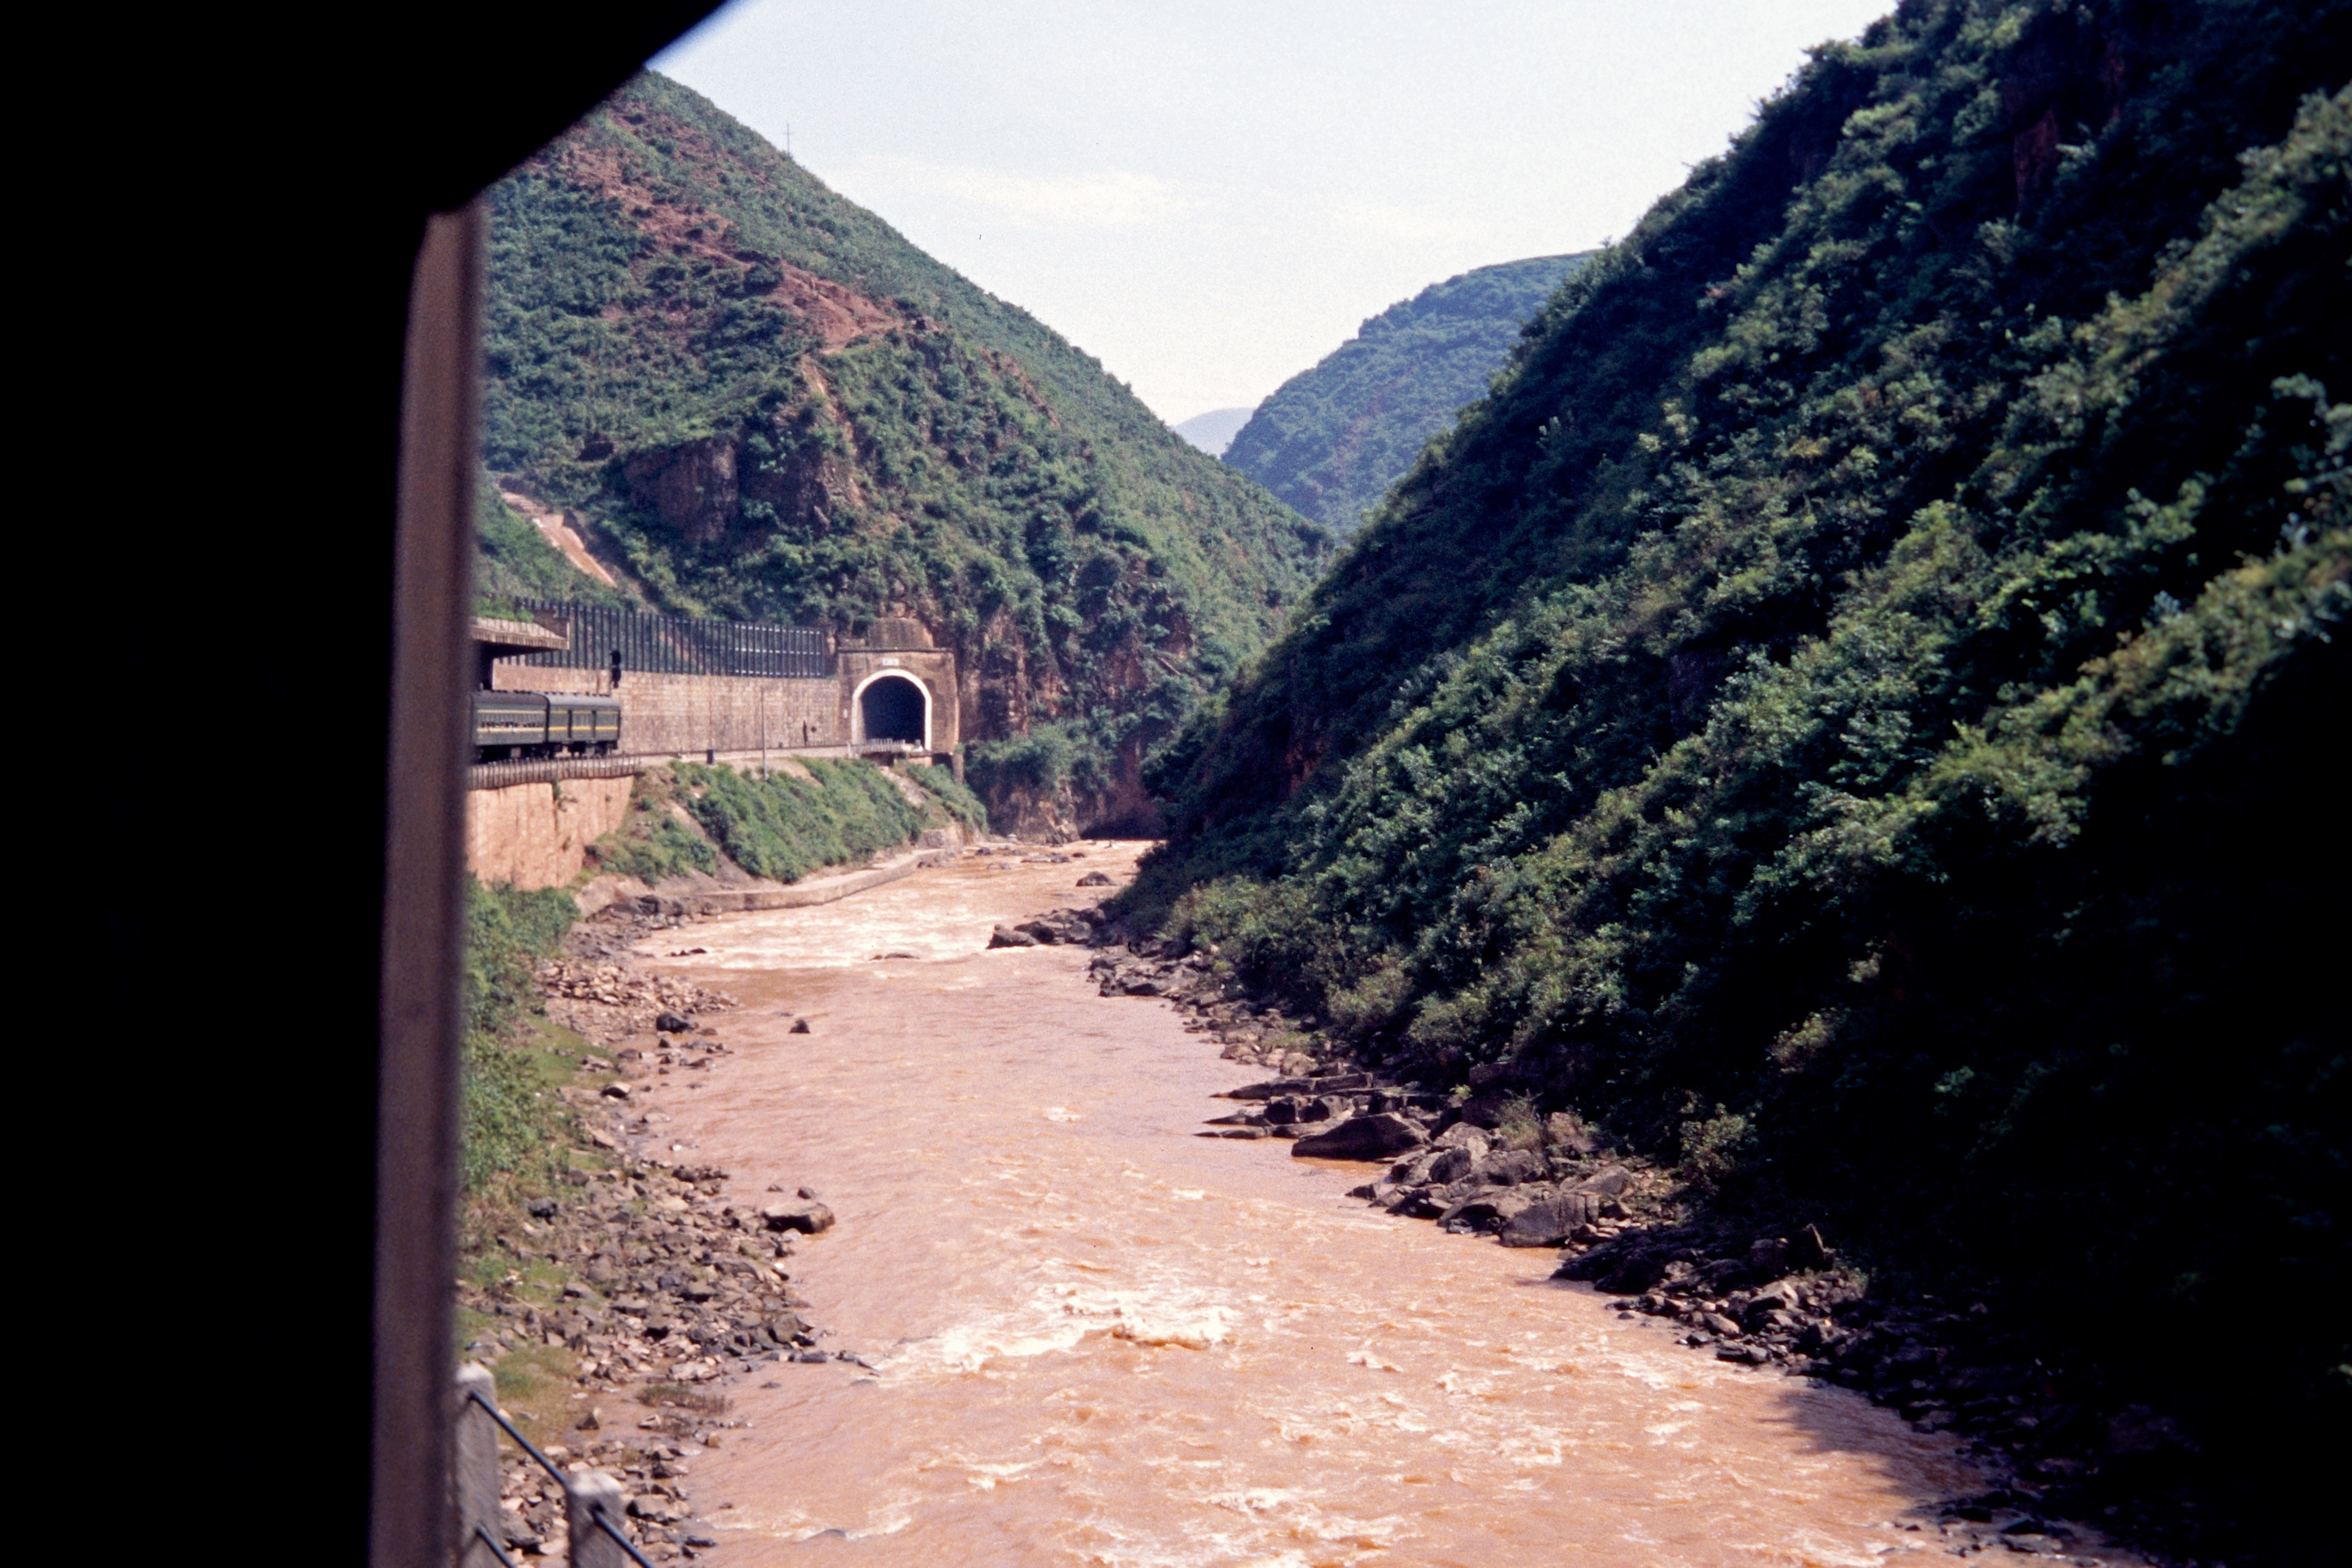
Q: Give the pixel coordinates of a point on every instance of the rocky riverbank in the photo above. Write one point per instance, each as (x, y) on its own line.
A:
(664, 1292)
(671, 1293)
(1769, 1292)
(667, 1292)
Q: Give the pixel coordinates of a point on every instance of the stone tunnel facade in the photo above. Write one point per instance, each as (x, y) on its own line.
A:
(890, 689)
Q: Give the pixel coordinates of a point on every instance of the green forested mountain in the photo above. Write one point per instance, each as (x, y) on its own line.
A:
(1859, 701)
(1332, 440)
(763, 403)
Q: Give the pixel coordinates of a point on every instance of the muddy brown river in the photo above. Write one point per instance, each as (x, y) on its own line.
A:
(1099, 1339)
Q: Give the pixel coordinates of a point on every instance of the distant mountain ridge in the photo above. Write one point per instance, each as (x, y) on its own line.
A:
(1213, 432)
(759, 402)
(1332, 440)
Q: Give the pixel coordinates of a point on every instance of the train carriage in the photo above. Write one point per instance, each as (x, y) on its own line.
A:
(509, 724)
(583, 724)
(542, 724)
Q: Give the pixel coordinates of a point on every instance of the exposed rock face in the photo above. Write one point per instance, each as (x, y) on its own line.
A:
(691, 488)
(718, 488)
(896, 632)
(2072, 74)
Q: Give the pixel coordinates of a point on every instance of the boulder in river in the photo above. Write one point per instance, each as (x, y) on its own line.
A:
(1462, 1135)
(1450, 1166)
(1607, 1182)
(806, 1217)
(1381, 1137)
(1093, 880)
(1546, 1223)
(1509, 1167)
(1005, 936)
(1487, 1211)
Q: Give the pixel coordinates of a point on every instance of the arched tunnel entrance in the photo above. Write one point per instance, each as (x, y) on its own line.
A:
(892, 707)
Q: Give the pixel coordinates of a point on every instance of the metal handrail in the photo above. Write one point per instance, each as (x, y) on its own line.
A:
(482, 1534)
(604, 1521)
(508, 1428)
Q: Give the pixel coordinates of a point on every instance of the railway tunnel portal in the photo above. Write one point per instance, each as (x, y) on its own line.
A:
(892, 706)
(700, 690)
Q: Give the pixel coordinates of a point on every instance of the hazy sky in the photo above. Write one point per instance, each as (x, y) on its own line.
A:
(1212, 197)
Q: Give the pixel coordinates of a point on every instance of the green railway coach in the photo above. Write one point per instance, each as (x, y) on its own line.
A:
(544, 724)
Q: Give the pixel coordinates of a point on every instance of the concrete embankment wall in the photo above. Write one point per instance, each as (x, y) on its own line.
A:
(537, 834)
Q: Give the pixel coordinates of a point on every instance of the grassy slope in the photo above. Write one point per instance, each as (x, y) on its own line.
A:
(1851, 697)
(663, 285)
(510, 1115)
(782, 827)
(1332, 440)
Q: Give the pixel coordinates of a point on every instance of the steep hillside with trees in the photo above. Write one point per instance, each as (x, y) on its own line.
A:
(1857, 707)
(762, 403)
(1332, 440)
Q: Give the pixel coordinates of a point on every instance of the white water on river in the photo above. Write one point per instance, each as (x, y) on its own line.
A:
(1100, 1338)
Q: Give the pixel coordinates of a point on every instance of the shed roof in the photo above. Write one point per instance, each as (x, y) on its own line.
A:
(504, 637)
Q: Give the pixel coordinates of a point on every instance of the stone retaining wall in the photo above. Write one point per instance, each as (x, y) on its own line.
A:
(537, 834)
